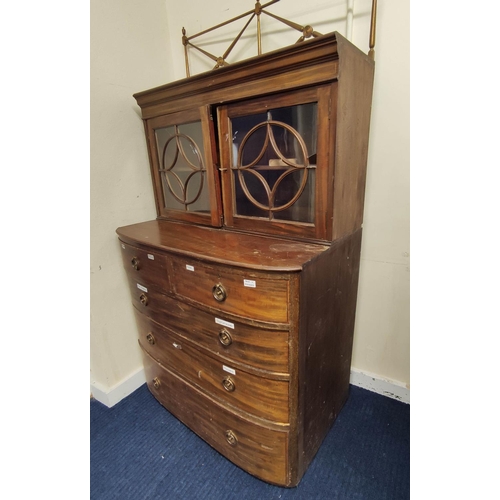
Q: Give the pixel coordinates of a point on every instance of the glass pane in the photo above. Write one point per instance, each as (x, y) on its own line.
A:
(182, 167)
(274, 161)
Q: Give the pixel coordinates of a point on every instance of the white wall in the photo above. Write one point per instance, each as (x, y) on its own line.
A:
(137, 45)
(130, 52)
(382, 334)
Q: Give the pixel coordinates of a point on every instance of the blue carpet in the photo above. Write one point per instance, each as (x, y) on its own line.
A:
(139, 451)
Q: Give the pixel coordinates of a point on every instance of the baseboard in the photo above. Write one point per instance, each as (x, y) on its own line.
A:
(390, 388)
(114, 395)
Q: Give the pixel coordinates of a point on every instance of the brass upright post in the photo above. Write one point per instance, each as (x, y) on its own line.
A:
(185, 43)
(258, 10)
(373, 27)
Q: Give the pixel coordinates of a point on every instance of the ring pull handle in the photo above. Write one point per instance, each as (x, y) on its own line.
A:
(135, 263)
(150, 338)
(231, 437)
(156, 383)
(225, 338)
(219, 292)
(144, 299)
(228, 384)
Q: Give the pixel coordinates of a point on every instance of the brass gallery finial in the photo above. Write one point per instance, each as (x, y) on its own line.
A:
(259, 9)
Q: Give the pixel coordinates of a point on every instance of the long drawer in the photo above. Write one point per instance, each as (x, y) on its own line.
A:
(257, 449)
(253, 295)
(265, 349)
(262, 397)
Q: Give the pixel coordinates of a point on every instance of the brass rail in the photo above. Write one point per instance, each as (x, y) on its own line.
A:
(307, 32)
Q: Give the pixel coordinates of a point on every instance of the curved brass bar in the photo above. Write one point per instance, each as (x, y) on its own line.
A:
(296, 135)
(183, 153)
(292, 167)
(190, 176)
(249, 195)
(165, 150)
(244, 141)
(181, 184)
(297, 194)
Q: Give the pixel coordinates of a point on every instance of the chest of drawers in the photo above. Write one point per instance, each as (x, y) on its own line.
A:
(244, 287)
(261, 373)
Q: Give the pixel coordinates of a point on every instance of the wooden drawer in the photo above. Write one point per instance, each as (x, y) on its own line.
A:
(147, 268)
(262, 397)
(257, 449)
(261, 348)
(254, 295)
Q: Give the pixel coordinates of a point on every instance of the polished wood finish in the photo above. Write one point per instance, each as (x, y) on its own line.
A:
(258, 449)
(323, 207)
(219, 246)
(266, 299)
(246, 323)
(254, 348)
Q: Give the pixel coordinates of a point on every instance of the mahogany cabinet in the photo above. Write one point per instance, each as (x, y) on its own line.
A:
(244, 287)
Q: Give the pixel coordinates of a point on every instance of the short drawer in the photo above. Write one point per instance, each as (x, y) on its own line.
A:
(262, 397)
(145, 267)
(249, 294)
(261, 348)
(257, 449)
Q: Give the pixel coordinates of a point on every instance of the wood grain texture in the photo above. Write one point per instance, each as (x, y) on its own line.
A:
(353, 110)
(265, 300)
(300, 65)
(261, 397)
(146, 267)
(291, 324)
(312, 231)
(258, 450)
(215, 245)
(327, 321)
(201, 114)
(263, 349)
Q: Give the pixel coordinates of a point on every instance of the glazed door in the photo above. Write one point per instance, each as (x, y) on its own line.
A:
(183, 157)
(275, 163)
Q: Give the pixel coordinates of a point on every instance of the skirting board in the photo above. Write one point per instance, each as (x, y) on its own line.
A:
(120, 391)
(369, 381)
(390, 388)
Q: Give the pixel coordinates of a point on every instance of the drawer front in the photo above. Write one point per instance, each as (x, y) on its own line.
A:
(147, 268)
(257, 347)
(249, 294)
(256, 449)
(262, 397)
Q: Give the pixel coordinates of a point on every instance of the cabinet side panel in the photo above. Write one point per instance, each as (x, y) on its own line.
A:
(329, 286)
(355, 86)
(151, 167)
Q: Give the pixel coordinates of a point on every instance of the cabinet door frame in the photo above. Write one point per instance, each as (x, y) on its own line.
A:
(202, 114)
(320, 229)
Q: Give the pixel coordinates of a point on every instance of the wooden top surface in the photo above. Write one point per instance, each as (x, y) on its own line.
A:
(222, 246)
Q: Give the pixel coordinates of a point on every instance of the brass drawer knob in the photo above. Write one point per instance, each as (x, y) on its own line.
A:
(144, 299)
(231, 438)
(135, 263)
(219, 293)
(156, 383)
(228, 384)
(225, 338)
(150, 338)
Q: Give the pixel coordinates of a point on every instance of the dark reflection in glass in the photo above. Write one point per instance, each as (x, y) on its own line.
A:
(274, 161)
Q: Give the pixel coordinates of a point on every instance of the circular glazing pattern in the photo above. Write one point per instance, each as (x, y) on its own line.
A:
(289, 166)
(170, 174)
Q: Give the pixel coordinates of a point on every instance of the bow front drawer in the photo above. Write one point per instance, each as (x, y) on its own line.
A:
(257, 449)
(250, 294)
(262, 348)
